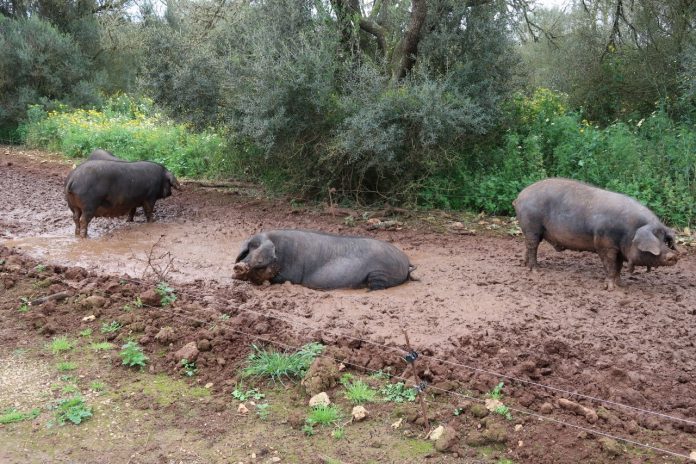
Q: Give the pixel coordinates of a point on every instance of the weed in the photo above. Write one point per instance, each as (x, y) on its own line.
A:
(61, 344)
(9, 416)
(224, 317)
(66, 366)
(19, 352)
(324, 415)
(24, 305)
(166, 293)
(189, 367)
(346, 379)
(97, 386)
(262, 411)
(503, 411)
(308, 430)
(132, 355)
(68, 389)
(242, 395)
(73, 410)
(68, 378)
(127, 308)
(40, 267)
(458, 411)
(380, 375)
(497, 392)
(110, 327)
(101, 346)
(86, 333)
(398, 392)
(338, 433)
(2, 262)
(359, 392)
(263, 363)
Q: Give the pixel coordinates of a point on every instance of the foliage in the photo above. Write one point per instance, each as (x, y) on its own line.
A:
(24, 305)
(359, 392)
(189, 367)
(133, 130)
(61, 344)
(86, 332)
(398, 392)
(110, 327)
(132, 355)
(496, 392)
(97, 385)
(262, 411)
(101, 346)
(242, 395)
(66, 366)
(324, 415)
(166, 293)
(339, 433)
(12, 415)
(73, 410)
(264, 363)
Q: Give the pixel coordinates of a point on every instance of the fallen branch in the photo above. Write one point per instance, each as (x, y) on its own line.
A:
(56, 296)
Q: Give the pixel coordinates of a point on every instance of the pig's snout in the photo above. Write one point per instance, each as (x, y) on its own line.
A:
(671, 258)
(241, 269)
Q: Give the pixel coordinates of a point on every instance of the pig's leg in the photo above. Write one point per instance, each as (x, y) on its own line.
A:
(532, 240)
(149, 208)
(76, 213)
(613, 262)
(131, 215)
(86, 217)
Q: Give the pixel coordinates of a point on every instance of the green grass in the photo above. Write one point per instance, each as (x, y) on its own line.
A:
(339, 433)
(110, 327)
(66, 366)
(101, 346)
(359, 392)
(12, 415)
(242, 395)
(86, 333)
(324, 415)
(24, 305)
(61, 344)
(274, 365)
(97, 386)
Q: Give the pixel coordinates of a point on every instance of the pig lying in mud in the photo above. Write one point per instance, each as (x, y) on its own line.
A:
(321, 261)
(576, 216)
(100, 188)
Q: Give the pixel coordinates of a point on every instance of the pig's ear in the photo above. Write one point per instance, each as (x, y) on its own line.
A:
(645, 240)
(243, 251)
(267, 253)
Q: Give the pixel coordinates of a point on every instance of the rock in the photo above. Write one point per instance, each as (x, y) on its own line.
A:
(692, 456)
(518, 427)
(437, 433)
(447, 439)
(322, 375)
(150, 298)
(320, 399)
(610, 446)
(89, 318)
(492, 404)
(590, 415)
(209, 385)
(242, 409)
(188, 352)
(546, 408)
(204, 345)
(93, 301)
(165, 335)
(359, 413)
(397, 424)
(275, 459)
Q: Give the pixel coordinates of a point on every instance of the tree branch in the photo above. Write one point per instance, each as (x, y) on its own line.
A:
(407, 49)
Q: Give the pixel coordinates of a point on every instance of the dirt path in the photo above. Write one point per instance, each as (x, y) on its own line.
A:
(474, 304)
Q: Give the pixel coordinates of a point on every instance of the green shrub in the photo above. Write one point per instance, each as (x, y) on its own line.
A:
(132, 355)
(264, 363)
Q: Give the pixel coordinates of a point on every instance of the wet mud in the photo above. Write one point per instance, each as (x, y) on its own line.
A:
(476, 313)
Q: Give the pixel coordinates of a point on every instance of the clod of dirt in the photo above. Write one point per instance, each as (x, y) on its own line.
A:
(165, 335)
(448, 438)
(359, 413)
(479, 411)
(580, 410)
(320, 399)
(189, 352)
(546, 408)
(322, 375)
(492, 435)
(93, 301)
(242, 409)
(150, 298)
(610, 446)
(204, 345)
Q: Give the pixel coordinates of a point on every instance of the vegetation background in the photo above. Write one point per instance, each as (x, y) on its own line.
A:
(425, 103)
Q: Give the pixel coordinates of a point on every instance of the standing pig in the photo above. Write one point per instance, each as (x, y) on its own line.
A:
(102, 155)
(322, 261)
(101, 188)
(576, 216)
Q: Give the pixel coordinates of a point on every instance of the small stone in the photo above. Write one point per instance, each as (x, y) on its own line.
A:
(397, 424)
(209, 385)
(359, 413)
(447, 439)
(518, 427)
(89, 318)
(437, 433)
(242, 409)
(275, 459)
(188, 352)
(692, 456)
(320, 399)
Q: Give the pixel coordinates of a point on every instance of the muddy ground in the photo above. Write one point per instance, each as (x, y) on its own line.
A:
(475, 314)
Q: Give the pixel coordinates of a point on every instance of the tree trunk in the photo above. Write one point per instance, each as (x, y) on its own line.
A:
(406, 50)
